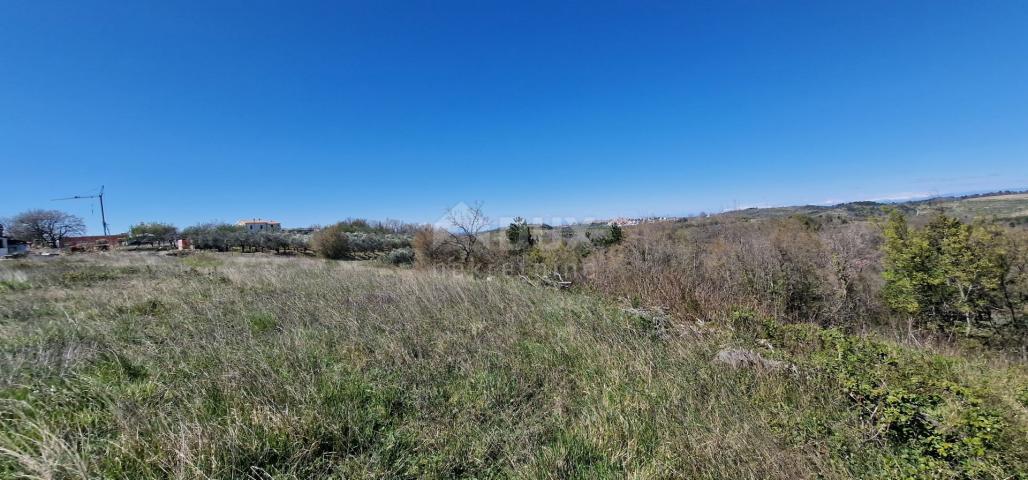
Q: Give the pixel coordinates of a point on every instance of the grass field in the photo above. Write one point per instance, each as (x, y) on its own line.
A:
(1000, 207)
(229, 366)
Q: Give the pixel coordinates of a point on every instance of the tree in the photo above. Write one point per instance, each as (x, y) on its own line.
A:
(971, 263)
(468, 224)
(949, 272)
(519, 234)
(212, 235)
(47, 227)
(154, 232)
(332, 242)
(910, 273)
(616, 234)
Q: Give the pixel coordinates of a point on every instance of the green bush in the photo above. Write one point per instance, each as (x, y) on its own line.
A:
(614, 235)
(938, 424)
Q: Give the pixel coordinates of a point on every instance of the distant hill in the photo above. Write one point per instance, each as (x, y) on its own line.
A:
(1005, 207)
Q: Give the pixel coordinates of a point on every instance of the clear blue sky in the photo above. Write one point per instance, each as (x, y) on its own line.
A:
(309, 112)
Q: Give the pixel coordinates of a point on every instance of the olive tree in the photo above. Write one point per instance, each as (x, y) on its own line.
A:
(154, 232)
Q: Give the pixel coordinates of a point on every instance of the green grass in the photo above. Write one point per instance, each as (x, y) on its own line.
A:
(155, 367)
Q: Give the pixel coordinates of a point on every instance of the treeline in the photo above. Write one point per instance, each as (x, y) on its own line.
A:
(226, 237)
(352, 238)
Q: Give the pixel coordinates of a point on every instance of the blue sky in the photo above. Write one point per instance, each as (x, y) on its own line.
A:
(310, 112)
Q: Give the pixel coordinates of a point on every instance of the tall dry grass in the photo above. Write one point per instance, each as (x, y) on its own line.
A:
(224, 366)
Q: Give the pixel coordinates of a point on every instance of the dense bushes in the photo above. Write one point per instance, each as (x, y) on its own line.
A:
(781, 268)
(937, 421)
(799, 269)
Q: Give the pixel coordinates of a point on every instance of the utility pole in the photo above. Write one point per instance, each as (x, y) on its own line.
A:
(103, 215)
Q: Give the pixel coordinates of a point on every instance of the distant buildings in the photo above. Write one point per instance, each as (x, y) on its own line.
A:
(627, 222)
(10, 246)
(257, 225)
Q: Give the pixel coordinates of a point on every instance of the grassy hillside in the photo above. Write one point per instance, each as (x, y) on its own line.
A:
(135, 366)
(1003, 207)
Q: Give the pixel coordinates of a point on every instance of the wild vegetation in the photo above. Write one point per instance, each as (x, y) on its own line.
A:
(931, 276)
(141, 365)
(950, 273)
(799, 345)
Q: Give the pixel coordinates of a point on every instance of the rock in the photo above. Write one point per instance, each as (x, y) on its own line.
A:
(739, 358)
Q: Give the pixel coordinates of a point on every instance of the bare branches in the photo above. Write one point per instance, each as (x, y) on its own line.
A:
(48, 227)
(468, 224)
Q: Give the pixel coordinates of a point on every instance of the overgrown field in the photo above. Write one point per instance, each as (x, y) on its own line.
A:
(227, 366)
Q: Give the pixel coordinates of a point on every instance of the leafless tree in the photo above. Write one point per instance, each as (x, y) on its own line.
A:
(48, 227)
(468, 224)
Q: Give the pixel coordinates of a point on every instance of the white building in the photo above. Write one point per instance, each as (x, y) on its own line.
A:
(257, 225)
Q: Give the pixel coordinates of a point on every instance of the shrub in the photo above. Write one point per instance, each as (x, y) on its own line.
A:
(432, 248)
(938, 423)
(400, 256)
(331, 242)
(614, 235)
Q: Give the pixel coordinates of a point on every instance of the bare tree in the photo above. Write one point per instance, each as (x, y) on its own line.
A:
(468, 224)
(48, 227)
